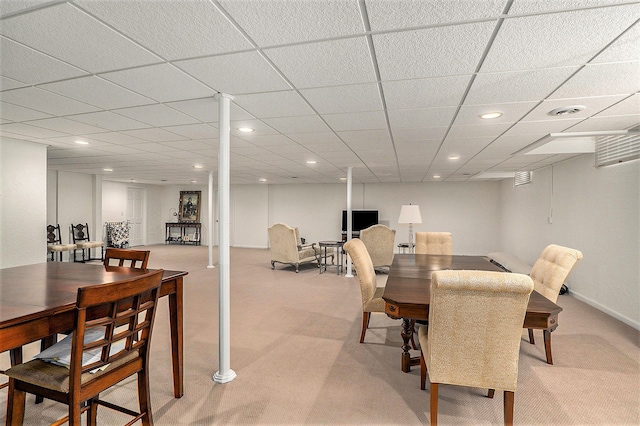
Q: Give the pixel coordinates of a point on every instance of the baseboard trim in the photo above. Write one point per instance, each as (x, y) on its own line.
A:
(600, 307)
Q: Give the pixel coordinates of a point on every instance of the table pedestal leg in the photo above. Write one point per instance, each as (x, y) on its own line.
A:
(406, 334)
(175, 319)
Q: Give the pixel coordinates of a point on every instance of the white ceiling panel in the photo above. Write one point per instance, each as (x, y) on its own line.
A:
(27, 65)
(101, 48)
(329, 63)
(313, 82)
(340, 99)
(97, 92)
(153, 24)
(457, 48)
(525, 42)
(296, 21)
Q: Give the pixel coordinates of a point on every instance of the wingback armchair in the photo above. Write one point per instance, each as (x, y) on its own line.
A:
(379, 240)
(285, 245)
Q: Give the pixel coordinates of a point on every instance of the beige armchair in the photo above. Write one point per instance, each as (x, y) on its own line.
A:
(549, 273)
(474, 333)
(286, 247)
(379, 241)
(434, 243)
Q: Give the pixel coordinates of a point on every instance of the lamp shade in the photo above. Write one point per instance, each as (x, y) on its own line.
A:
(410, 213)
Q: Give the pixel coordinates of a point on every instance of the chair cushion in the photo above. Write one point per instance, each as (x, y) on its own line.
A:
(60, 247)
(376, 304)
(89, 244)
(55, 377)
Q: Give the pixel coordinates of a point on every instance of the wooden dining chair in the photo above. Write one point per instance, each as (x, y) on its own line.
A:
(54, 242)
(102, 353)
(474, 333)
(136, 259)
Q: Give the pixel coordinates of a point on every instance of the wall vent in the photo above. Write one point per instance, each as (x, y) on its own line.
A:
(617, 149)
(522, 178)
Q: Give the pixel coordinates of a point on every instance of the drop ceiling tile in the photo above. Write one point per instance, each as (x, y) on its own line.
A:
(28, 130)
(433, 52)
(539, 6)
(276, 104)
(339, 99)
(366, 136)
(235, 74)
(207, 110)
(67, 126)
(478, 130)
(624, 48)
(386, 15)
(594, 124)
(70, 142)
(577, 37)
(101, 48)
(356, 120)
(117, 138)
(267, 140)
(156, 147)
(163, 83)
(592, 107)
(156, 115)
(155, 25)
(425, 93)
(296, 20)
(596, 80)
(41, 100)
(27, 65)
(630, 105)
(154, 134)
(316, 138)
(516, 86)
(194, 131)
(330, 63)
(109, 121)
(542, 127)
(425, 117)
(9, 83)
(98, 92)
(17, 113)
(420, 133)
(307, 123)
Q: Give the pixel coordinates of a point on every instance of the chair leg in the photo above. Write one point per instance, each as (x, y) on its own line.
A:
(15, 405)
(75, 410)
(365, 325)
(423, 372)
(92, 411)
(531, 339)
(433, 404)
(144, 397)
(547, 345)
(491, 393)
(508, 408)
(413, 333)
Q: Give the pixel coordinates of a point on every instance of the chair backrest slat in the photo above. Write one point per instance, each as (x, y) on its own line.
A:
(136, 259)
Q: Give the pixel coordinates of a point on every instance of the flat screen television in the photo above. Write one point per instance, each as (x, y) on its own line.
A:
(360, 219)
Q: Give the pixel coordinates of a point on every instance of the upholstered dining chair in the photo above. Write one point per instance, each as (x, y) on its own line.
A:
(99, 353)
(549, 273)
(434, 243)
(379, 241)
(81, 238)
(136, 259)
(54, 242)
(474, 333)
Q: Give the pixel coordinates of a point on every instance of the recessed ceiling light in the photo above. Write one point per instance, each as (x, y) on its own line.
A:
(454, 157)
(82, 143)
(263, 180)
(132, 180)
(491, 115)
(246, 129)
(107, 170)
(311, 161)
(192, 181)
(436, 176)
(197, 166)
(343, 178)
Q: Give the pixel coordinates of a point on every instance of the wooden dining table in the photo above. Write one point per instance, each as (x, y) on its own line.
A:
(407, 295)
(38, 301)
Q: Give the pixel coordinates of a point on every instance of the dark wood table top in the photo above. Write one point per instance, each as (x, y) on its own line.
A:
(32, 291)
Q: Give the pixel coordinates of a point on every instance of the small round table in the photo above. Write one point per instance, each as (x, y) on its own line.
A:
(338, 254)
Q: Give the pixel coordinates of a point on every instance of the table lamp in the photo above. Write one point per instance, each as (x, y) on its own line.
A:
(410, 214)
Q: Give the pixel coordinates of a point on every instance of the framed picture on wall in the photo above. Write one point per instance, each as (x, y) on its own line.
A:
(189, 206)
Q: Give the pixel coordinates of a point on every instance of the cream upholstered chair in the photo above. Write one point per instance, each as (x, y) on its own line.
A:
(379, 241)
(54, 242)
(474, 333)
(372, 300)
(434, 243)
(549, 273)
(82, 240)
(286, 247)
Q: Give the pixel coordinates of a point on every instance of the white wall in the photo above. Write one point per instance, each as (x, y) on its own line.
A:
(23, 203)
(596, 211)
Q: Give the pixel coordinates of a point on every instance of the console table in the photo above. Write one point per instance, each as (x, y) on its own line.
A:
(184, 237)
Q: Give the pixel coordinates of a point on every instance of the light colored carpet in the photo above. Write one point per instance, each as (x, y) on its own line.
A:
(295, 349)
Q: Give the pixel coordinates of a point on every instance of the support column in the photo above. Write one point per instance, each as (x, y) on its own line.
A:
(224, 374)
(210, 234)
(349, 216)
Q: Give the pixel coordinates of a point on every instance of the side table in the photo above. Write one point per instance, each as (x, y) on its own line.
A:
(402, 247)
(338, 254)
